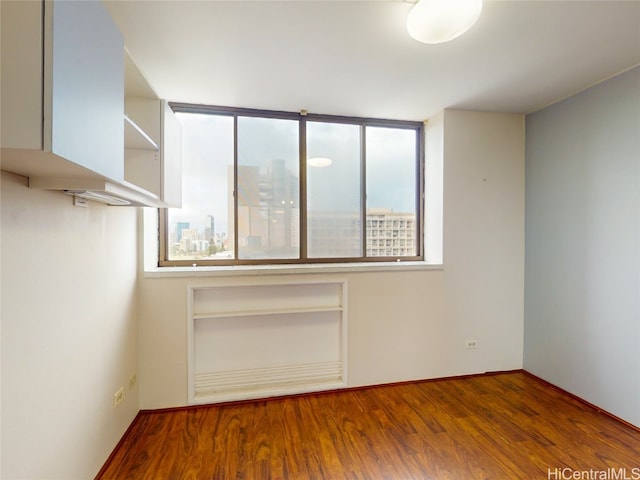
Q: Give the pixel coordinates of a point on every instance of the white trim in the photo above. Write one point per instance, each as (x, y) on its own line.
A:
(226, 271)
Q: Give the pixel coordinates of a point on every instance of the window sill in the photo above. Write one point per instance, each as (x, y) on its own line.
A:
(161, 272)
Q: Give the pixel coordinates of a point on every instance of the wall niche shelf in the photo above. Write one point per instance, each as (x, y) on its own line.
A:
(261, 340)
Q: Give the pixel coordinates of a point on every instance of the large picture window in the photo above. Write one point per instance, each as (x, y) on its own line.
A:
(263, 187)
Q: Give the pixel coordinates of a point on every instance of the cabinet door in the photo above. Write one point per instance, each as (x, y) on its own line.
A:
(171, 158)
(84, 86)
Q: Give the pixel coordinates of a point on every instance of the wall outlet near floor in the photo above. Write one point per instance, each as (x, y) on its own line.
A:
(471, 344)
(118, 397)
(132, 380)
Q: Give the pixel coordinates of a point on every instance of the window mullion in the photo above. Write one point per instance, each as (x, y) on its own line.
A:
(363, 187)
(302, 221)
(236, 244)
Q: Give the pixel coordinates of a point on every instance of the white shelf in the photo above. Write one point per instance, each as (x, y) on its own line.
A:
(266, 312)
(136, 138)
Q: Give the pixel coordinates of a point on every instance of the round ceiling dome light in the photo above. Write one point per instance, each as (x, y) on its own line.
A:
(438, 21)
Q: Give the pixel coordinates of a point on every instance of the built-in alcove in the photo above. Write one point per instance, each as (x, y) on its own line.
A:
(260, 340)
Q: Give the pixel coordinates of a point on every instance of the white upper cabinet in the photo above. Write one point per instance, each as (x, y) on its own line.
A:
(77, 114)
(62, 90)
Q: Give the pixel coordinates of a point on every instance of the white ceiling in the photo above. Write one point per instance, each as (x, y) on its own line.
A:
(355, 57)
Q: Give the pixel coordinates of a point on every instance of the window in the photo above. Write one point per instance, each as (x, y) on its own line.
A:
(268, 194)
(264, 187)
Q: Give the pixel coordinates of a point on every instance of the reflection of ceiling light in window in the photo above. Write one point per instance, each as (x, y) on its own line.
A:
(438, 21)
(319, 162)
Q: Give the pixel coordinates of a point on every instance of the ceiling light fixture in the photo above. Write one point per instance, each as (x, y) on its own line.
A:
(319, 162)
(438, 21)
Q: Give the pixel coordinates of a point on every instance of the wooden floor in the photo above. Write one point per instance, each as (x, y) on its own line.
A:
(506, 426)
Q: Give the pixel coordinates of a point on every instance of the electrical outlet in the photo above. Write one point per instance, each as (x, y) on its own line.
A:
(132, 381)
(118, 397)
(472, 344)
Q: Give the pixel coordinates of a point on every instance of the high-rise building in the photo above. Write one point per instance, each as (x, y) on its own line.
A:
(267, 210)
(391, 234)
(268, 219)
(336, 234)
(179, 228)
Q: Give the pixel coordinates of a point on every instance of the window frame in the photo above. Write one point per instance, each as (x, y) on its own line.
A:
(303, 117)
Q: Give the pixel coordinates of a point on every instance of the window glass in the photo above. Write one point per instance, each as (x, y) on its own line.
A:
(201, 228)
(268, 188)
(392, 192)
(334, 191)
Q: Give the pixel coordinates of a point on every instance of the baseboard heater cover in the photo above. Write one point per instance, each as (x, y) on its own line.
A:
(263, 380)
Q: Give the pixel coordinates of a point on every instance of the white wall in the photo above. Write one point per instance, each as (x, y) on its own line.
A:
(582, 315)
(407, 324)
(69, 332)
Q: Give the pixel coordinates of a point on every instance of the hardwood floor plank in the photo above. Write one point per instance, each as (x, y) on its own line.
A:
(507, 426)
